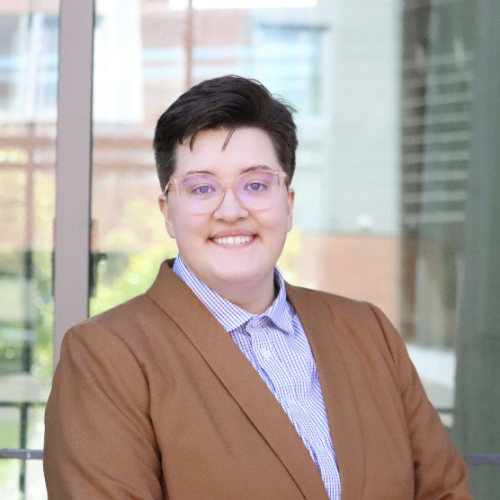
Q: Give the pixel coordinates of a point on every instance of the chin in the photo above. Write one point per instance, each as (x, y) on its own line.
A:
(235, 273)
(234, 276)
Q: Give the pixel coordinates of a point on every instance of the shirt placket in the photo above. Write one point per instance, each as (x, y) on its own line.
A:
(262, 350)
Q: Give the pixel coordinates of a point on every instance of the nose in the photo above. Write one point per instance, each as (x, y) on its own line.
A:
(231, 208)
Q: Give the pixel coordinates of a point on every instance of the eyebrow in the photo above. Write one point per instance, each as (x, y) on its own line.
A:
(244, 171)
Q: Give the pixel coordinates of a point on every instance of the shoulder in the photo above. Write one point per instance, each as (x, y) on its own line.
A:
(132, 311)
(359, 326)
(339, 306)
(133, 324)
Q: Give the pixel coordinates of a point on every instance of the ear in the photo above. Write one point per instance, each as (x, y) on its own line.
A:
(165, 210)
(291, 199)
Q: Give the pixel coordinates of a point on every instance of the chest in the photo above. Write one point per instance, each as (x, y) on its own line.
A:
(222, 433)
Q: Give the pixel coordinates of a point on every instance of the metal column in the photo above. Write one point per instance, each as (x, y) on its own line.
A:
(74, 160)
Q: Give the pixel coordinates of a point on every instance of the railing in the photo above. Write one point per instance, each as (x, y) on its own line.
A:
(22, 453)
(481, 459)
(472, 459)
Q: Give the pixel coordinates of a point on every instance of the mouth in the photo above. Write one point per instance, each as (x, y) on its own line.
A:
(234, 241)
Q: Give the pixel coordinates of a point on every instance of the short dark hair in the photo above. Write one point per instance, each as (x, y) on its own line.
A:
(226, 102)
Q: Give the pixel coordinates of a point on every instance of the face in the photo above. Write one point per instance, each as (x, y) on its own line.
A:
(199, 235)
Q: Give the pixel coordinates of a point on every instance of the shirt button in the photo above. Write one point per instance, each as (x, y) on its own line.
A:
(266, 354)
(254, 322)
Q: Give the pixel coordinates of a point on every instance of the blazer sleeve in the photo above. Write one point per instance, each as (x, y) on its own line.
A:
(440, 470)
(99, 439)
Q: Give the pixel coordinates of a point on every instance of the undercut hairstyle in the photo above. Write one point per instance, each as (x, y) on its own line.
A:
(228, 102)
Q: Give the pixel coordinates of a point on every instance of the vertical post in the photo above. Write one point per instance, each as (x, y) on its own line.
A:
(29, 292)
(478, 354)
(23, 410)
(74, 148)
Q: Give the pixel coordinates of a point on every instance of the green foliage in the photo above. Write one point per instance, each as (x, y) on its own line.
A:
(141, 244)
(124, 276)
(36, 311)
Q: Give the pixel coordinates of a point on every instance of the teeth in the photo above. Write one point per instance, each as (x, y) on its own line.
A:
(233, 240)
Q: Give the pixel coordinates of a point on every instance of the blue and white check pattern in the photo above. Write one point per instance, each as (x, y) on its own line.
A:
(277, 346)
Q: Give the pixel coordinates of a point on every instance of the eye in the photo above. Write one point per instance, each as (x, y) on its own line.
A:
(203, 190)
(256, 187)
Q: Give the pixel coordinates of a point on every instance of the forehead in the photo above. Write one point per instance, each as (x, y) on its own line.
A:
(247, 147)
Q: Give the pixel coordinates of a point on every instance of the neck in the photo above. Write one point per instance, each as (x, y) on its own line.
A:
(254, 298)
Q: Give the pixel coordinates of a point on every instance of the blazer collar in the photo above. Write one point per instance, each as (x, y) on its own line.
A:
(245, 385)
(324, 329)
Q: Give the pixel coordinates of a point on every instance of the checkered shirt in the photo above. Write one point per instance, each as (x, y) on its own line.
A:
(277, 346)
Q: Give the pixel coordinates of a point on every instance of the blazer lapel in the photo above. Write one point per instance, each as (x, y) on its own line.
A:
(239, 378)
(323, 330)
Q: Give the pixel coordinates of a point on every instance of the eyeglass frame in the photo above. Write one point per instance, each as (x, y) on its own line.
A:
(226, 185)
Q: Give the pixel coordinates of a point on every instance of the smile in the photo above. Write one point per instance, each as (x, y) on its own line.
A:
(233, 240)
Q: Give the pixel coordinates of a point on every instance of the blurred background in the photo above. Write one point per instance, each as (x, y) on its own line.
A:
(397, 181)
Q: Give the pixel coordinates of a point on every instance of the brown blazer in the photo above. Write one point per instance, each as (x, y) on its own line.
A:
(154, 400)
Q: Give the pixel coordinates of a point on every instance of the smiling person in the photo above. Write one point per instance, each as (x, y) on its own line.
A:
(223, 381)
(229, 207)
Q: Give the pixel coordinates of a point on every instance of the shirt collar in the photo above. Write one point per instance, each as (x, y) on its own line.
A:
(229, 315)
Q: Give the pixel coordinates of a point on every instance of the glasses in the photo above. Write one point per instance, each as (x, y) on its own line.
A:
(203, 193)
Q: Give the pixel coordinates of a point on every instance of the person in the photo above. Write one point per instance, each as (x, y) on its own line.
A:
(223, 381)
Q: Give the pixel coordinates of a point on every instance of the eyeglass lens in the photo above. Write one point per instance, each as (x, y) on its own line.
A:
(257, 190)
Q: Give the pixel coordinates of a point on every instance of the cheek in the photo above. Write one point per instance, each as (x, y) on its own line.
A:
(189, 228)
(275, 222)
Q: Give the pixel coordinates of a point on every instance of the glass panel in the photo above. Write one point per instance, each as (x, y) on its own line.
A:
(35, 481)
(449, 205)
(9, 429)
(383, 94)
(28, 105)
(437, 80)
(9, 476)
(291, 51)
